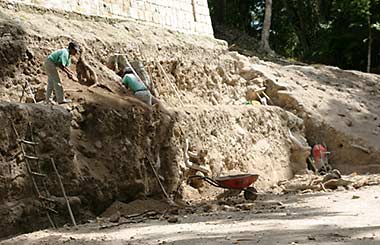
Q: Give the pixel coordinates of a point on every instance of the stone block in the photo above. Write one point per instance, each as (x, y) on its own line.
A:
(133, 13)
(167, 20)
(175, 14)
(141, 14)
(149, 16)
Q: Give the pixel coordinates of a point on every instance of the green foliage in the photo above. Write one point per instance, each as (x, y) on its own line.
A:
(376, 26)
(231, 12)
(324, 31)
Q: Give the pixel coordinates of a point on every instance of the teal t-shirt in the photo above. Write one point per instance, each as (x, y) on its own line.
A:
(61, 56)
(131, 81)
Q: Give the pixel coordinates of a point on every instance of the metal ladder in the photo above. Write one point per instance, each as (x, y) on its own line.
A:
(34, 170)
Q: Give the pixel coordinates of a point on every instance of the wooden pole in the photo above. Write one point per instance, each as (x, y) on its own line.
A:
(63, 192)
(31, 91)
(168, 80)
(159, 182)
(23, 91)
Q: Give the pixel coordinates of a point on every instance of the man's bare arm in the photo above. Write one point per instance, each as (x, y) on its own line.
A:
(69, 73)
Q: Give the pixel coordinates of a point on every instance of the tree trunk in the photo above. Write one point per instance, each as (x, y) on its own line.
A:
(369, 45)
(266, 26)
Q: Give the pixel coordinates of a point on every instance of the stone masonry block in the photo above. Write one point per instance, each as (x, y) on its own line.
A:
(175, 14)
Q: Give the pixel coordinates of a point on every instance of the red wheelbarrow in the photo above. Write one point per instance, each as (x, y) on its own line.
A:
(240, 182)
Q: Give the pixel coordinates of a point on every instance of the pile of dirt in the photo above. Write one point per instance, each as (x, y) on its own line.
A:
(134, 207)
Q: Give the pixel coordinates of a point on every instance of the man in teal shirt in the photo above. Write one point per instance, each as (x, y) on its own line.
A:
(62, 59)
(137, 86)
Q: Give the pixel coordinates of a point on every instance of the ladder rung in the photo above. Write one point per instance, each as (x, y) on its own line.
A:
(31, 157)
(46, 199)
(28, 142)
(51, 210)
(38, 174)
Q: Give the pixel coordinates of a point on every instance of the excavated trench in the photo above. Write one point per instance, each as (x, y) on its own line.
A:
(105, 142)
(105, 159)
(351, 150)
(106, 156)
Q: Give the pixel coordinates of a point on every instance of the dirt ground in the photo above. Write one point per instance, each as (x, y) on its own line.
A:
(343, 217)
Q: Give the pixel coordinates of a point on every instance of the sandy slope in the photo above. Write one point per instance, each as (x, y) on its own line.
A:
(340, 108)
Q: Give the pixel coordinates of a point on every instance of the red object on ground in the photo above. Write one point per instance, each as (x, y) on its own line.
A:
(237, 181)
(319, 153)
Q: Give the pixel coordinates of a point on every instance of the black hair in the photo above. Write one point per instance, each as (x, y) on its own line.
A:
(128, 70)
(74, 45)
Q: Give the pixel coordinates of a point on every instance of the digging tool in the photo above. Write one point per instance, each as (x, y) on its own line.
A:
(27, 87)
(171, 202)
(188, 163)
(73, 90)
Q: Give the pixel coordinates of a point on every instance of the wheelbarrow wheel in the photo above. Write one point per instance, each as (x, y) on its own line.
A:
(250, 194)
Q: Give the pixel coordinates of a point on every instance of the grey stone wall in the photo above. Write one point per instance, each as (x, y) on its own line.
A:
(190, 16)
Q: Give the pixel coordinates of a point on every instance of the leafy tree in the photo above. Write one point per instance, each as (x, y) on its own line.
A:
(344, 33)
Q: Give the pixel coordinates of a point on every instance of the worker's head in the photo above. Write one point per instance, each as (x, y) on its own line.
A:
(74, 48)
(128, 70)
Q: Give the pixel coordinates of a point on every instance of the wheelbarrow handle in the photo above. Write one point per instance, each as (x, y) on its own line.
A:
(207, 179)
